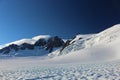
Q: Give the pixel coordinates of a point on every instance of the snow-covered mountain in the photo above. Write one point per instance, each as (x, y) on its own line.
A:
(103, 46)
(85, 41)
(37, 46)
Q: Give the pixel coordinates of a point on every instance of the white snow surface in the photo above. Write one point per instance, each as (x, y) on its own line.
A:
(36, 68)
(19, 42)
(41, 37)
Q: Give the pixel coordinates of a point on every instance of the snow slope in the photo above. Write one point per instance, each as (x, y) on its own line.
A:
(103, 46)
(103, 38)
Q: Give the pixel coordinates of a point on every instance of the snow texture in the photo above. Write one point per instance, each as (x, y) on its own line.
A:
(34, 69)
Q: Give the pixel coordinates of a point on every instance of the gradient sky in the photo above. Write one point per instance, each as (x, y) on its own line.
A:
(65, 18)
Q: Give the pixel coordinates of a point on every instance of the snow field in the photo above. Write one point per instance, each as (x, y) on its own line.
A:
(103, 71)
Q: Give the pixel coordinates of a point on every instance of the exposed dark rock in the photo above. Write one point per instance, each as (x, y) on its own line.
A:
(40, 42)
(5, 50)
(26, 46)
(65, 45)
(14, 47)
(54, 43)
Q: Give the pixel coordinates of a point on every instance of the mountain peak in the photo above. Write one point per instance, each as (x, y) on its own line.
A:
(41, 37)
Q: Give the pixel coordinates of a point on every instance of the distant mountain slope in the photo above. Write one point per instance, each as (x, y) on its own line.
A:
(37, 46)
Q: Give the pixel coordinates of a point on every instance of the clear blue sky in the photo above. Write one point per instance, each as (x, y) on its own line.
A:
(65, 18)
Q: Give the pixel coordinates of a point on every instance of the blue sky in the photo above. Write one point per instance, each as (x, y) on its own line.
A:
(65, 18)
